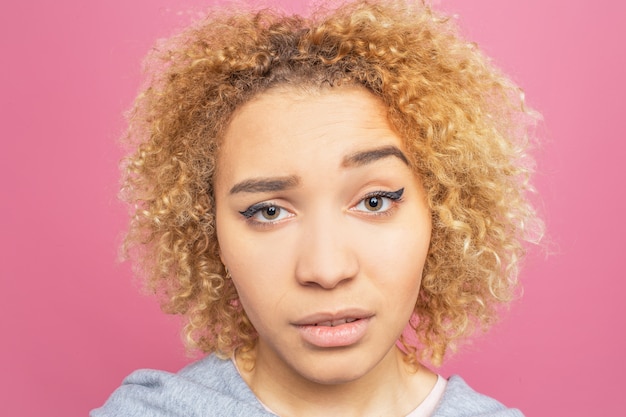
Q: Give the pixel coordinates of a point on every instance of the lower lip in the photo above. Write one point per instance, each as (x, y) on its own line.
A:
(343, 335)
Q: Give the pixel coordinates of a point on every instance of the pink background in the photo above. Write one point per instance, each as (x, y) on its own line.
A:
(72, 320)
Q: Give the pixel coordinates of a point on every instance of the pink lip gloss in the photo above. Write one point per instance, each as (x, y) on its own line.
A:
(334, 336)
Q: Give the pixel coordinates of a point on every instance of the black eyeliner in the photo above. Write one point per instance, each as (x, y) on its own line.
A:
(250, 211)
(392, 195)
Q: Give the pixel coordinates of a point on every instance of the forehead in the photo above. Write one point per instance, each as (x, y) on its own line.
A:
(286, 122)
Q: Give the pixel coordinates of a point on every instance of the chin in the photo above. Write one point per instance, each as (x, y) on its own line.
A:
(336, 369)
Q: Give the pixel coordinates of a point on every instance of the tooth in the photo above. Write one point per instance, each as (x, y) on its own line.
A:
(333, 323)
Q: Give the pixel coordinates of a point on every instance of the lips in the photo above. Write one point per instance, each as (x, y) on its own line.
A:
(333, 319)
(334, 330)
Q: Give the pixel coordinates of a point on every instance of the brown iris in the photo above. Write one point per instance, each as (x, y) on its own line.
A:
(270, 213)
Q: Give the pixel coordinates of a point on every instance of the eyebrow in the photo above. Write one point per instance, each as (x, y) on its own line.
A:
(372, 155)
(264, 185)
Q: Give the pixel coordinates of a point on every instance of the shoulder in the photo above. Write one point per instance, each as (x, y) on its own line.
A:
(209, 387)
(459, 400)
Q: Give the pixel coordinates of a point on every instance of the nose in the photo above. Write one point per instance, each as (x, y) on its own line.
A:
(327, 255)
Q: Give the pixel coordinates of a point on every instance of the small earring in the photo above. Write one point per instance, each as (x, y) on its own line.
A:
(228, 276)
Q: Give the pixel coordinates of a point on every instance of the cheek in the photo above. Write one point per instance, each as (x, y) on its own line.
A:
(403, 252)
(260, 273)
(399, 266)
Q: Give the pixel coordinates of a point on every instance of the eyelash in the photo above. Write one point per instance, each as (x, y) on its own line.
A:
(394, 196)
(254, 209)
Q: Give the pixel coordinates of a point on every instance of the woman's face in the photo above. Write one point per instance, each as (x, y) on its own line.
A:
(324, 228)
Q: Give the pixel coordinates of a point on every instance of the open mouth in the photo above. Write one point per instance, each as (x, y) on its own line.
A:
(333, 323)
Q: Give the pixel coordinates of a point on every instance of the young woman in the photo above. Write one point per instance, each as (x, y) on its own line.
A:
(329, 201)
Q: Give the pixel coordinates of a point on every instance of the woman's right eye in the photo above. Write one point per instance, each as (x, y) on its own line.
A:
(265, 213)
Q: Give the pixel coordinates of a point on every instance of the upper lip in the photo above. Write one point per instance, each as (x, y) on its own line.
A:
(333, 318)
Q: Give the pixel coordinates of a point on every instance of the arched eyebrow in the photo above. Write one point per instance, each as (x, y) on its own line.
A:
(273, 184)
(265, 185)
(372, 155)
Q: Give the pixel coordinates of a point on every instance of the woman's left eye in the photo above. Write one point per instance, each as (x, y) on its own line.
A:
(379, 201)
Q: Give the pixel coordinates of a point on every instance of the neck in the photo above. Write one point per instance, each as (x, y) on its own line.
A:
(391, 388)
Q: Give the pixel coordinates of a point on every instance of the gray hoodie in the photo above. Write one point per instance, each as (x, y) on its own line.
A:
(212, 387)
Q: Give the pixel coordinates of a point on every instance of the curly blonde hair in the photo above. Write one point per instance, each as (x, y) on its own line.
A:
(464, 124)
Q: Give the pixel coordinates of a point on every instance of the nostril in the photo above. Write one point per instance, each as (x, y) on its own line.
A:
(327, 274)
